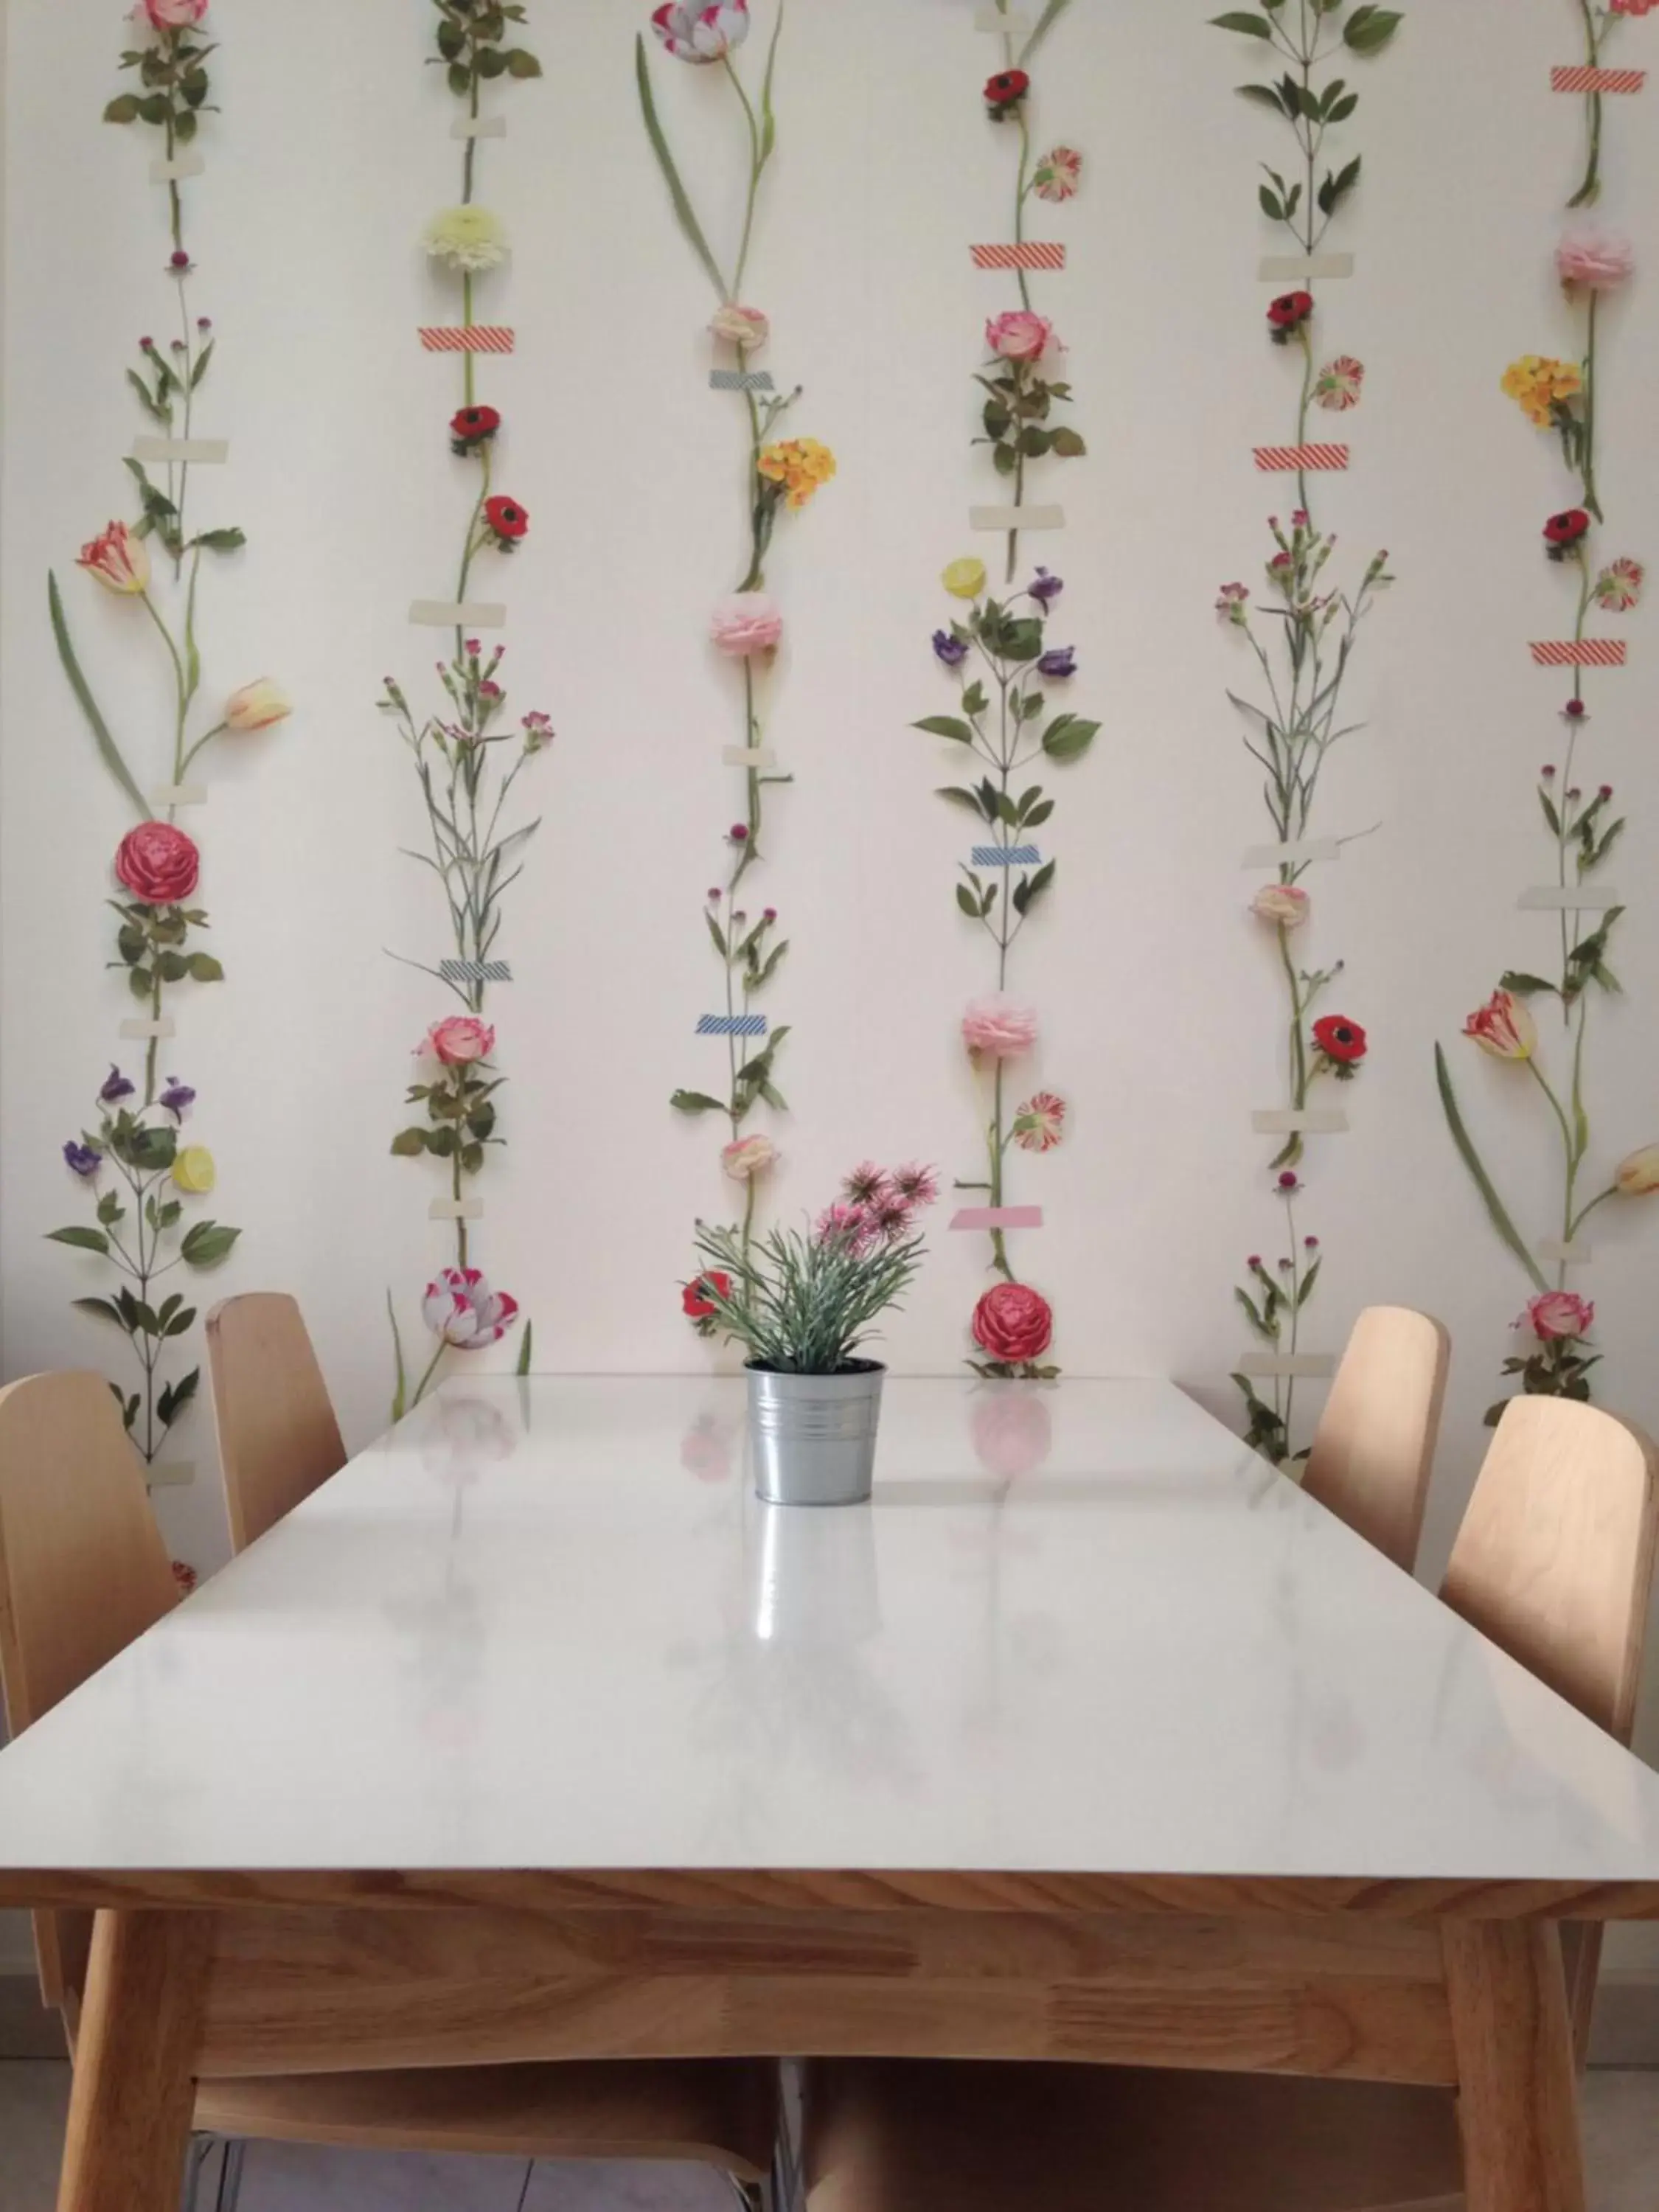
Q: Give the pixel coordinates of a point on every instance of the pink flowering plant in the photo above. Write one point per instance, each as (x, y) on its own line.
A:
(1272, 1300)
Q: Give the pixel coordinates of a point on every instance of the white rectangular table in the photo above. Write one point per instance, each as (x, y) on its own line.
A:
(533, 1735)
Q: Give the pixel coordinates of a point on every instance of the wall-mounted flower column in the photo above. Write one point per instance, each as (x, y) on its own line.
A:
(141, 1181)
(780, 476)
(997, 649)
(467, 754)
(1539, 1019)
(1301, 632)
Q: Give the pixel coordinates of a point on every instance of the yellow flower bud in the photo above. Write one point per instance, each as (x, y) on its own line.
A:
(194, 1171)
(964, 579)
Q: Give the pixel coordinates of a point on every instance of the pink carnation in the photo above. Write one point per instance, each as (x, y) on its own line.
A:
(1000, 1027)
(1019, 335)
(745, 624)
(1598, 260)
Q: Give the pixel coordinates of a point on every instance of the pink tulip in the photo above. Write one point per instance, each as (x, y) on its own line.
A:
(461, 1308)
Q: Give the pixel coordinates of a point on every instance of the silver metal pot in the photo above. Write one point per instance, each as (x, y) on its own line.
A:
(814, 1436)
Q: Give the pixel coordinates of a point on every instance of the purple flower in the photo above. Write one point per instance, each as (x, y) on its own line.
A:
(115, 1086)
(83, 1159)
(177, 1096)
(1060, 661)
(951, 650)
(1046, 588)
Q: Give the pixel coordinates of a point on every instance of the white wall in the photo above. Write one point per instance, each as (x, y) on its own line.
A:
(1160, 1007)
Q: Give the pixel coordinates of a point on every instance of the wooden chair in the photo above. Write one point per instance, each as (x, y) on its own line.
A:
(83, 1571)
(1554, 1563)
(278, 1438)
(1373, 1451)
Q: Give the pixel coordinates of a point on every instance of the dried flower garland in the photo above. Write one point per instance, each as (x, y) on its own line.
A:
(782, 475)
(129, 1158)
(468, 754)
(1302, 631)
(1582, 827)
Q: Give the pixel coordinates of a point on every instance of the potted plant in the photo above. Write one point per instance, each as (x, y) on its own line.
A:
(800, 1301)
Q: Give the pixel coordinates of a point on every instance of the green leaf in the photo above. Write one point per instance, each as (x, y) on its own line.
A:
(1483, 1182)
(1524, 986)
(968, 902)
(1236, 19)
(946, 725)
(84, 1240)
(180, 1323)
(124, 109)
(105, 1309)
(205, 969)
(1369, 29)
(1068, 738)
(959, 797)
(409, 1144)
(1045, 23)
(1264, 96)
(696, 1102)
(677, 192)
(1068, 443)
(400, 1389)
(206, 1244)
(523, 1366)
(106, 745)
(222, 541)
(523, 64)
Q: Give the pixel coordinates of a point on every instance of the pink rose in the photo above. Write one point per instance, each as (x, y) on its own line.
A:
(1597, 259)
(158, 864)
(1556, 1314)
(1019, 336)
(461, 1040)
(745, 624)
(1000, 1027)
(169, 15)
(1013, 1323)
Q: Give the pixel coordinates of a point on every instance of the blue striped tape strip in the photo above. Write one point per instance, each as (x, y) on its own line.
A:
(1005, 856)
(740, 379)
(731, 1025)
(475, 971)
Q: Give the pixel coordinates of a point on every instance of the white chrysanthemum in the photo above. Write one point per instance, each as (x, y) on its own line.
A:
(468, 238)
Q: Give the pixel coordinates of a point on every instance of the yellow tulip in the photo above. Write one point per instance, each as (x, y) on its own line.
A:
(1639, 1174)
(194, 1171)
(964, 579)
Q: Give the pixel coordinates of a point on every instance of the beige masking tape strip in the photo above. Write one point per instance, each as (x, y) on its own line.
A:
(478, 126)
(1012, 25)
(1567, 1255)
(1309, 1366)
(1017, 518)
(163, 172)
(171, 1474)
(181, 449)
(1549, 898)
(1291, 856)
(136, 1029)
(455, 1209)
(1285, 268)
(179, 794)
(1279, 1121)
(458, 614)
(740, 756)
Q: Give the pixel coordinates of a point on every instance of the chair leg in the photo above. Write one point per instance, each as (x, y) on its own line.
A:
(201, 2149)
(529, 2170)
(230, 2177)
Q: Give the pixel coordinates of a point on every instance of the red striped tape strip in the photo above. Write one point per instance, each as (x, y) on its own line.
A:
(1579, 653)
(1302, 457)
(1018, 257)
(1581, 79)
(457, 337)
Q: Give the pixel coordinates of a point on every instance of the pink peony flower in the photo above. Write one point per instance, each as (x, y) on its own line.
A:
(747, 623)
(1557, 1315)
(460, 1039)
(747, 1157)
(1286, 905)
(998, 1027)
(1019, 335)
(1598, 260)
(461, 1308)
(739, 327)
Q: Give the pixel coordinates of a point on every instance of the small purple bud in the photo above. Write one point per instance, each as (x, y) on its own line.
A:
(115, 1086)
(83, 1160)
(949, 650)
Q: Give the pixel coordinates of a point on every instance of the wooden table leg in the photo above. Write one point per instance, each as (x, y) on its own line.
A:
(134, 2089)
(1517, 2085)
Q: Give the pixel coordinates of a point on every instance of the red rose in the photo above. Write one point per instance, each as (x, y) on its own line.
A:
(1006, 89)
(1339, 1039)
(473, 425)
(1563, 531)
(1288, 313)
(695, 1299)
(1014, 1322)
(507, 520)
(158, 864)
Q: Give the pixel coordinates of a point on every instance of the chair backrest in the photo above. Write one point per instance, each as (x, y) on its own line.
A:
(83, 1571)
(1373, 1451)
(1554, 1563)
(278, 1438)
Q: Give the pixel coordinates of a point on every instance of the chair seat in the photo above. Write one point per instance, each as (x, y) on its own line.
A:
(718, 2112)
(890, 2136)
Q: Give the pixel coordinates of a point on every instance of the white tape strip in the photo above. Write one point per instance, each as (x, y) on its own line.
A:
(1327, 1122)
(142, 1029)
(740, 756)
(179, 794)
(1012, 25)
(1309, 1366)
(1291, 856)
(1549, 898)
(478, 126)
(458, 614)
(455, 1209)
(171, 1474)
(1575, 1254)
(181, 449)
(163, 172)
(1017, 518)
(1285, 268)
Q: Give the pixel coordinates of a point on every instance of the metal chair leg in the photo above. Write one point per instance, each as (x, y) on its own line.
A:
(201, 2149)
(230, 2177)
(529, 2170)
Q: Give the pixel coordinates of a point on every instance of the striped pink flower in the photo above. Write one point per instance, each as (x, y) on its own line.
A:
(1619, 586)
(1040, 1124)
(1338, 384)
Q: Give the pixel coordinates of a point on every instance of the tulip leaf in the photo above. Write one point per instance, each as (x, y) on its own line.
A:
(99, 728)
(1045, 23)
(677, 191)
(1483, 1182)
(400, 1392)
(524, 1344)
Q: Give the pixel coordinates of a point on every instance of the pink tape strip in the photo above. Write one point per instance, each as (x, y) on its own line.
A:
(456, 338)
(1029, 256)
(998, 1217)
(1579, 653)
(1582, 79)
(1302, 457)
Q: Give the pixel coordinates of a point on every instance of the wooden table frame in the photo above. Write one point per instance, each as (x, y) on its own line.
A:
(221, 1975)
